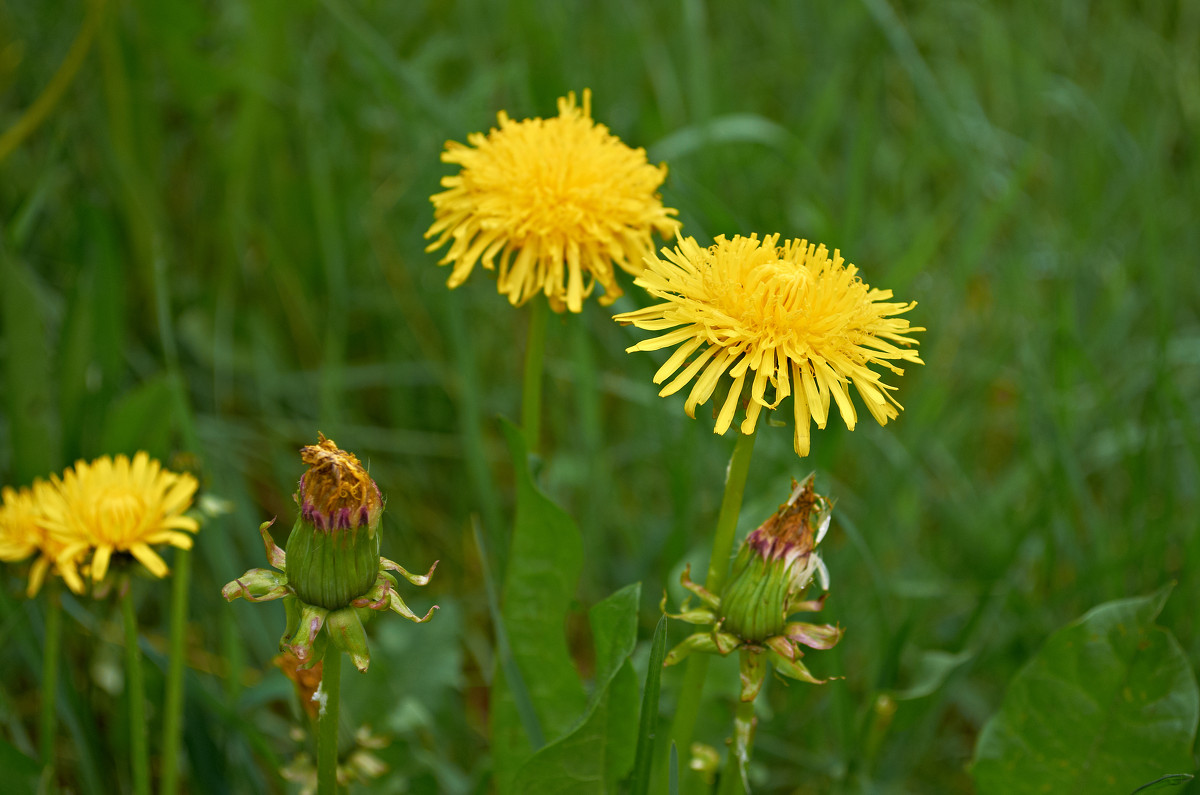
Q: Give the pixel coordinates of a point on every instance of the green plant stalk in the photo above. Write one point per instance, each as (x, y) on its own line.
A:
(531, 390)
(51, 651)
(44, 104)
(173, 708)
(683, 726)
(732, 780)
(136, 688)
(327, 725)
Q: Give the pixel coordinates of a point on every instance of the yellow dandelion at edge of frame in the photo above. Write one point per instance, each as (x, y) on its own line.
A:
(558, 201)
(118, 505)
(789, 317)
(23, 531)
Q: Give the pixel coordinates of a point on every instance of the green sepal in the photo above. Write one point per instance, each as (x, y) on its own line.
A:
(415, 579)
(397, 605)
(701, 641)
(275, 556)
(302, 638)
(705, 595)
(798, 604)
(257, 585)
(815, 636)
(793, 668)
(346, 629)
(699, 616)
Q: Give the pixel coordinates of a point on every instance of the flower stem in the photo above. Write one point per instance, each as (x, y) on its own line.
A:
(136, 689)
(733, 780)
(731, 506)
(50, 654)
(327, 728)
(173, 709)
(696, 669)
(531, 395)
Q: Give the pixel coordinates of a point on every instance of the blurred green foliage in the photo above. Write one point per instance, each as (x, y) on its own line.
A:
(213, 245)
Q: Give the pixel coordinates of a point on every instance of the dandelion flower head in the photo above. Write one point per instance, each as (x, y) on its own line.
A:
(557, 201)
(118, 505)
(781, 321)
(23, 531)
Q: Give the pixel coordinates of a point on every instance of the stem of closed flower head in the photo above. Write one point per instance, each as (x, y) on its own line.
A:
(136, 690)
(327, 723)
(696, 669)
(50, 654)
(173, 708)
(531, 394)
(733, 779)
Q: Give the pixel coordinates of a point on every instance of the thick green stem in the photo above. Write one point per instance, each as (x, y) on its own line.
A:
(733, 780)
(531, 395)
(136, 689)
(50, 653)
(696, 669)
(731, 506)
(173, 708)
(327, 725)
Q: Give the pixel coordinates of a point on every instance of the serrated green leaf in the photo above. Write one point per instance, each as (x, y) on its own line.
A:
(544, 562)
(1109, 704)
(599, 751)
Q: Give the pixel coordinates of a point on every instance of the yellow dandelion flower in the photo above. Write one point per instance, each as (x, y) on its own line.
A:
(785, 316)
(559, 201)
(23, 531)
(118, 506)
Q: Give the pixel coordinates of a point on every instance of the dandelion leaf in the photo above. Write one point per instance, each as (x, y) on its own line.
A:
(1108, 705)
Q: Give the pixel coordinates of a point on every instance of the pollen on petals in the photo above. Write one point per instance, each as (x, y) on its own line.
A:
(772, 323)
(551, 205)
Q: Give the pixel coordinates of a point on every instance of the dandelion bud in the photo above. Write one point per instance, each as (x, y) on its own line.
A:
(774, 567)
(333, 577)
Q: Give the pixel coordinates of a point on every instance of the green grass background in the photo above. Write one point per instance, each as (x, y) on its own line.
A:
(214, 243)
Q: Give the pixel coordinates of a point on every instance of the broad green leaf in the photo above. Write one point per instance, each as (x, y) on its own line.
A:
(599, 751)
(1108, 705)
(544, 562)
(20, 772)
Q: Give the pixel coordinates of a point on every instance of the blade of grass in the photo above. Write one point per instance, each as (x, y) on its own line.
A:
(649, 718)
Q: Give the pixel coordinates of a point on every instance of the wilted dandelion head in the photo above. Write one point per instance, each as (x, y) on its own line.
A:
(336, 493)
(118, 506)
(556, 201)
(781, 322)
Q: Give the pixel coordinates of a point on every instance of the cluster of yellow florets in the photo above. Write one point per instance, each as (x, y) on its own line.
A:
(74, 523)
